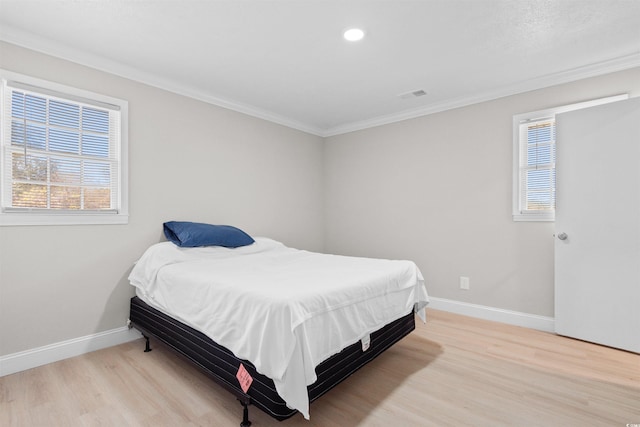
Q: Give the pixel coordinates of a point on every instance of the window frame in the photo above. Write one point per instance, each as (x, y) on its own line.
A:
(518, 213)
(18, 216)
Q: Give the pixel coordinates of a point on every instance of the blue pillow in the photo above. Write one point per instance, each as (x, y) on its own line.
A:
(192, 234)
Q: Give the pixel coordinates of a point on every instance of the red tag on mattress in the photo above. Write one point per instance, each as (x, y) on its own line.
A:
(244, 378)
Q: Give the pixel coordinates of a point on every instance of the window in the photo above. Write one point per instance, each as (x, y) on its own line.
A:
(534, 161)
(63, 155)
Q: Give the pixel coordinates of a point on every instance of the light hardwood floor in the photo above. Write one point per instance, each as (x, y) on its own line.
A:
(453, 371)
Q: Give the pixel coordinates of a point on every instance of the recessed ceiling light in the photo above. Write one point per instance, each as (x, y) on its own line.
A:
(354, 34)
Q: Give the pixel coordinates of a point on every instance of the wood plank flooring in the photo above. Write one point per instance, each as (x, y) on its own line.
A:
(452, 371)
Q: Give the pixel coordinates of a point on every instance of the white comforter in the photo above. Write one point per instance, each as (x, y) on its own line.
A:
(285, 310)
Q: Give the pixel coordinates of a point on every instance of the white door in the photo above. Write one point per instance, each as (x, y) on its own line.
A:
(597, 245)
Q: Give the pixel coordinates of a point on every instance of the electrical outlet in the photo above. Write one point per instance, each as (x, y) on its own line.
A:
(464, 283)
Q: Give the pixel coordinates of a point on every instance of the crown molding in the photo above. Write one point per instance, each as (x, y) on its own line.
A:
(39, 44)
(27, 40)
(592, 70)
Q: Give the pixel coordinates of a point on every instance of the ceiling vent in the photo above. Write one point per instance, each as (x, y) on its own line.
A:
(413, 94)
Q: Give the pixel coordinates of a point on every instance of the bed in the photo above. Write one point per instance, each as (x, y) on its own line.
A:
(276, 326)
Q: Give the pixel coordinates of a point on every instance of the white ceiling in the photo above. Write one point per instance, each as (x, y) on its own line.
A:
(286, 61)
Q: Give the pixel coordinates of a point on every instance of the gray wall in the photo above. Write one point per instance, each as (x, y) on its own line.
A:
(437, 190)
(188, 160)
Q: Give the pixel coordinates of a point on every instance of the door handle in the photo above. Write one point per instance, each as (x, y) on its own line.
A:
(562, 236)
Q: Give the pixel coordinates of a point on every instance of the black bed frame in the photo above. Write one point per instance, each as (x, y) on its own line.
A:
(220, 364)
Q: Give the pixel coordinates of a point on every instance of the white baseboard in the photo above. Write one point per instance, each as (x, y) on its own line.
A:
(28, 359)
(533, 321)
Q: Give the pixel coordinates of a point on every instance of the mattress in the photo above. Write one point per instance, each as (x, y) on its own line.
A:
(221, 364)
(284, 310)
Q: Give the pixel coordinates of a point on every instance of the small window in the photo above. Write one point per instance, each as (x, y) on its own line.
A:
(534, 161)
(63, 155)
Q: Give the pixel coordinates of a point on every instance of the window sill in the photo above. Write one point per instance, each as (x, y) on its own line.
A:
(10, 219)
(534, 218)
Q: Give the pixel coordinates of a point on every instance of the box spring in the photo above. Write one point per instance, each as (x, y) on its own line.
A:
(220, 363)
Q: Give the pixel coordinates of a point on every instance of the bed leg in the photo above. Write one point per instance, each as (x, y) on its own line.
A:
(245, 415)
(147, 347)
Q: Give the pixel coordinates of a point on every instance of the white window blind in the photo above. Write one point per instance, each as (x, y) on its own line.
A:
(534, 165)
(538, 166)
(61, 156)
